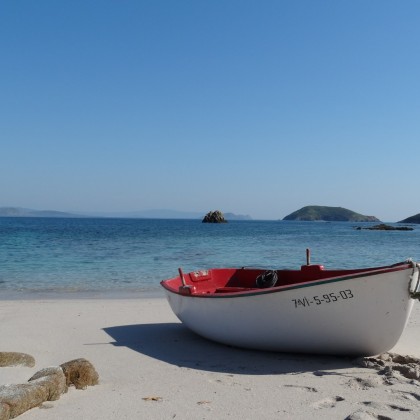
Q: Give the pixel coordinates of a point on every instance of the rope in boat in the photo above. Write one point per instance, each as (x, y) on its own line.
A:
(266, 279)
(414, 285)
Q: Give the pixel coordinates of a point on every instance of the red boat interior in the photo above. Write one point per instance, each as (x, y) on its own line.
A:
(243, 280)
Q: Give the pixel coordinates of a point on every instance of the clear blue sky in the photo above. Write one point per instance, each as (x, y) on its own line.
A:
(252, 107)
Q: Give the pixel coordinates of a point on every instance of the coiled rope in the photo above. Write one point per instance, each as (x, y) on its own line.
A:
(267, 279)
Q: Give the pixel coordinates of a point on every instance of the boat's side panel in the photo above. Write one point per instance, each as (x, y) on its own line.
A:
(361, 316)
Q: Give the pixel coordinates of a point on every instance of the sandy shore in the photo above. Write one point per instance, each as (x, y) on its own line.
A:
(151, 367)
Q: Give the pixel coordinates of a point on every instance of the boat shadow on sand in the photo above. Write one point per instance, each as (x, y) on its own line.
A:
(173, 343)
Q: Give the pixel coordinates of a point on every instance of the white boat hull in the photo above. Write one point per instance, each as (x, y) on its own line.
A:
(358, 316)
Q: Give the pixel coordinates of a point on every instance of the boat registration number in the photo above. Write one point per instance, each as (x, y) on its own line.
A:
(323, 299)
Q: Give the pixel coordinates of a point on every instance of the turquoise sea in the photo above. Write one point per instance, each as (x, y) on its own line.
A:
(47, 257)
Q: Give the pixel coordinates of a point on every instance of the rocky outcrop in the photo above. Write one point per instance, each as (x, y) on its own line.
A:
(80, 373)
(383, 226)
(11, 358)
(392, 364)
(46, 385)
(214, 217)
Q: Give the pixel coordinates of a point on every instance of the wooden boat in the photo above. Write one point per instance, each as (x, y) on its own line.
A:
(312, 310)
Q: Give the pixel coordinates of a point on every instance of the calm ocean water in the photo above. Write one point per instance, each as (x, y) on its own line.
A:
(129, 257)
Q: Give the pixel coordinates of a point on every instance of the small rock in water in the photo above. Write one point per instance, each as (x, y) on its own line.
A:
(214, 217)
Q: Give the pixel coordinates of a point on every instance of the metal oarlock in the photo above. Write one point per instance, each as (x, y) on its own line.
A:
(185, 289)
(181, 275)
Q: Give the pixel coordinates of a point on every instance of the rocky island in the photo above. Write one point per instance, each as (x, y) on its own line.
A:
(329, 214)
(214, 217)
(411, 219)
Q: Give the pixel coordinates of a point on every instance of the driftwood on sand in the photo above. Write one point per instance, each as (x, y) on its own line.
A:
(46, 385)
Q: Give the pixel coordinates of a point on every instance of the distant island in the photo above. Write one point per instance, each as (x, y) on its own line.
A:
(411, 219)
(143, 214)
(22, 212)
(232, 216)
(329, 214)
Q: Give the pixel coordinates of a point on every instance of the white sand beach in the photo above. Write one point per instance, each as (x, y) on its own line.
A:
(151, 367)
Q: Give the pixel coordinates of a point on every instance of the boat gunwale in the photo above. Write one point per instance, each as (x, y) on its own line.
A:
(404, 265)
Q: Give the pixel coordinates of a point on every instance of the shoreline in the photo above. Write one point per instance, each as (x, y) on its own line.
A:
(81, 295)
(151, 366)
